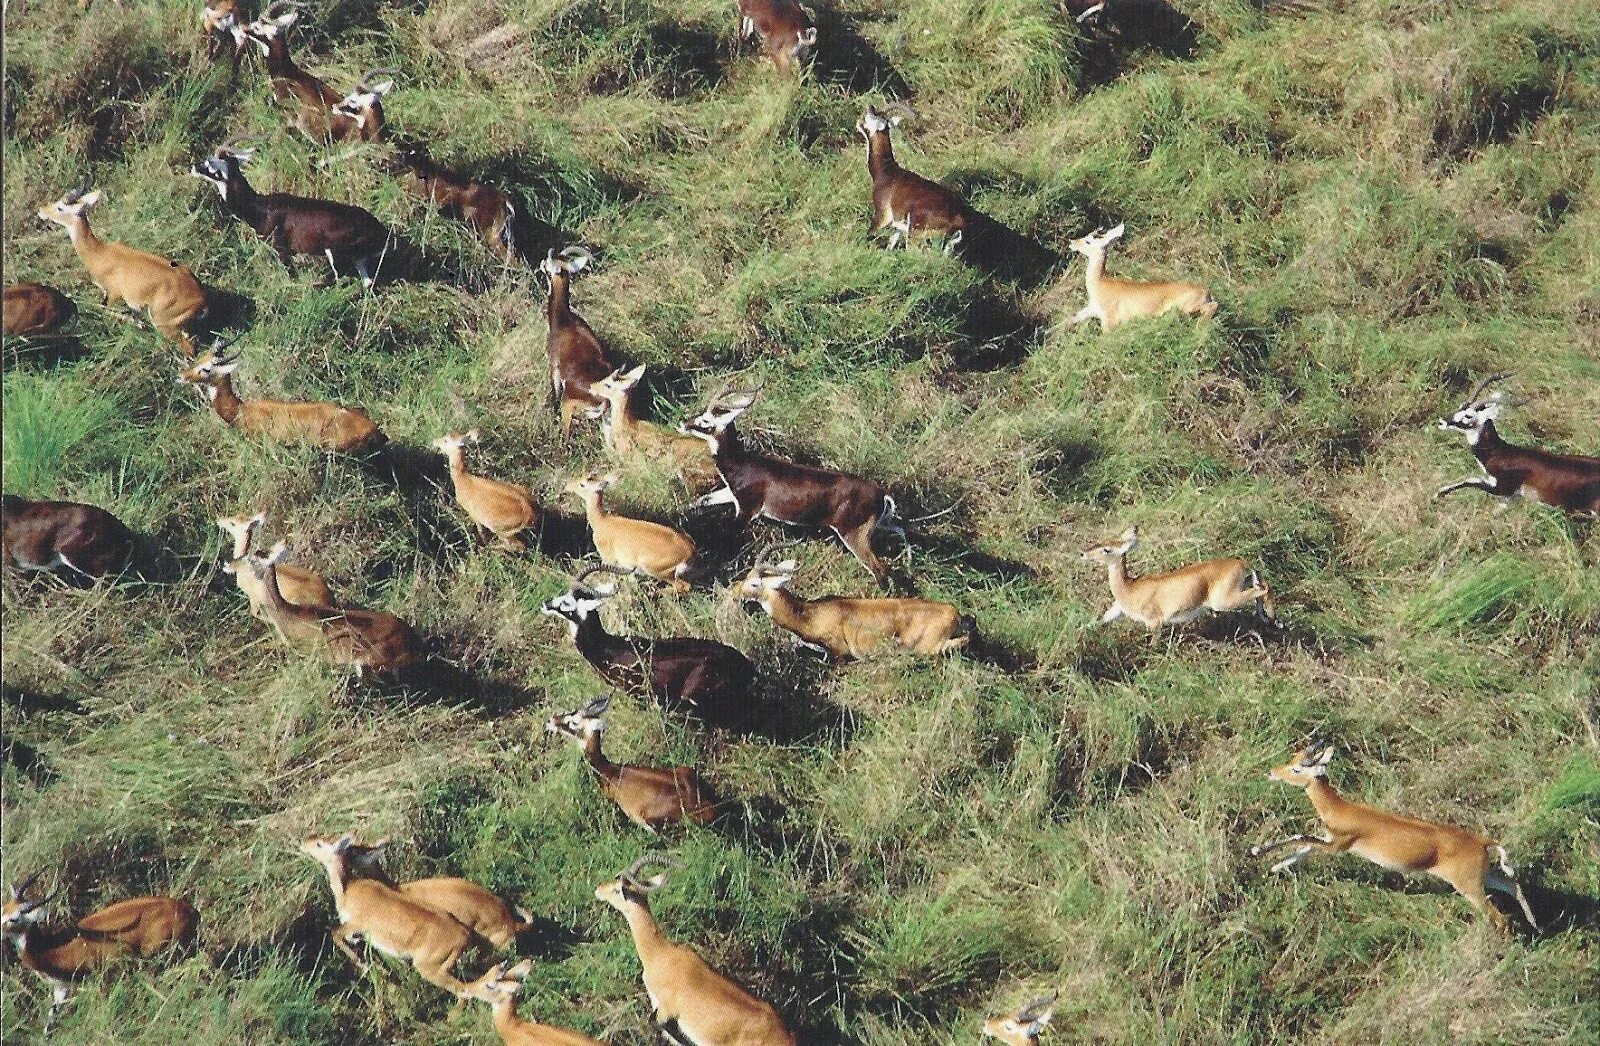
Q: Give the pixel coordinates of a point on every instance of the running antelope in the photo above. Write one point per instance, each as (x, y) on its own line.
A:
(783, 27)
(851, 628)
(33, 309)
(386, 919)
(313, 103)
(44, 535)
(906, 203)
(283, 421)
(1023, 1027)
(297, 584)
(1112, 301)
(633, 440)
(1569, 482)
(651, 796)
(1467, 861)
(138, 927)
(478, 909)
(503, 509)
(699, 677)
(1181, 595)
(633, 545)
(800, 495)
(689, 1001)
(499, 987)
(140, 281)
(366, 640)
(577, 359)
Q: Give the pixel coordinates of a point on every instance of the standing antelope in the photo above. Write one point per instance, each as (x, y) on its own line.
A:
(138, 927)
(907, 203)
(44, 535)
(282, 421)
(651, 797)
(490, 212)
(800, 495)
(631, 439)
(1023, 1027)
(297, 584)
(499, 987)
(689, 1001)
(387, 920)
(366, 640)
(1181, 595)
(1401, 844)
(1111, 301)
(139, 280)
(633, 545)
(1569, 482)
(504, 509)
(478, 909)
(784, 28)
(850, 628)
(33, 309)
(314, 103)
(577, 358)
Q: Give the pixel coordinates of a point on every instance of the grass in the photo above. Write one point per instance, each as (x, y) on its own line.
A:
(1389, 200)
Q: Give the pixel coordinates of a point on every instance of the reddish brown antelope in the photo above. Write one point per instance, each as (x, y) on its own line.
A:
(577, 359)
(312, 102)
(652, 797)
(281, 421)
(45, 535)
(1568, 482)
(906, 203)
(1023, 1027)
(1178, 596)
(783, 27)
(366, 640)
(32, 309)
(488, 211)
(1113, 301)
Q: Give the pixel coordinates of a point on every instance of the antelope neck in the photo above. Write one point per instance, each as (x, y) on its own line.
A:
(224, 400)
(880, 153)
(597, 758)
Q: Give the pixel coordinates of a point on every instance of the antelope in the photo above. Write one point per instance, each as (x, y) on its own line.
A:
(222, 25)
(469, 904)
(367, 640)
(283, 421)
(800, 495)
(652, 797)
(1178, 596)
(784, 28)
(1569, 482)
(141, 281)
(364, 107)
(633, 545)
(488, 211)
(907, 203)
(44, 535)
(689, 1001)
(504, 509)
(851, 628)
(1111, 301)
(297, 584)
(1401, 844)
(700, 677)
(138, 927)
(1023, 1027)
(32, 309)
(315, 104)
(629, 438)
(499, 987)
(298, 225)
(577, 359)
(387, 920)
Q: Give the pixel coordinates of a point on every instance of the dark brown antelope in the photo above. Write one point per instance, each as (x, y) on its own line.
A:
(488, 211)
(652, 797)
(45, 535)
(32, 309)
(1568, 482)
(906, 203)
(783, 27)
(577, 359)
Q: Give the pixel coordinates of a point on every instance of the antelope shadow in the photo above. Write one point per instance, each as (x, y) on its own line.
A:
(844, 58)
(1124, 26)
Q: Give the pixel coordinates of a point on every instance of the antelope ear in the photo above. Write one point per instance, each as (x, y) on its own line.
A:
(244, 156)
(577, 262)
(473, 435)
(382, 88)
(258, 519)
(894, 121)
(1116, 234)
(343, 843)
(610, 479)
(634, 375)
(1326, 757)
(789, 566)
(285, 21)
(229, 568)
(809, 37)
(225, 368)
(88, 200)
(520, 971)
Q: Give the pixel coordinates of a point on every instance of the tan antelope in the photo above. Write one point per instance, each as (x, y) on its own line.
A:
(387, 920)
(631, 439)
(651, 796)
(689, 1001)
(1467, 861)
(1113, 301)
(141, 281)
(297, 584)
(635, 545)
(327, 425)
(851, 628)
(499, 987)
(503, 509)
(478, 909)
(1178, 596)
(1023, 1027)
(138, 927)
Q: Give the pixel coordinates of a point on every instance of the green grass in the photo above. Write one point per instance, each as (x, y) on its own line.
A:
(1388, 200)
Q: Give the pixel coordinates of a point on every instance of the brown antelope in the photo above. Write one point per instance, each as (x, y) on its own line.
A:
(631, 439)
(282, 421)
(1568, 482)
(577, 359)
(501, 508)
(689, 1001)
(490, 212)
(297, 584)
(499, 987)
(904, 202)
(1467, 861)
(1111, 301)
(364, 106)
(44, 535)
(1023, 1027)
(478, 909)
(1178, 596)
(784, 28)
(367, 640)
(387, 920)
(851, 628)
(139, 280)
(222, 28)
(651, 797)
(138, 927)
(635, 545)
(313, 102)
(32, 309)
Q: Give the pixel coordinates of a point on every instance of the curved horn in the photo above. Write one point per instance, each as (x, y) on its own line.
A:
(1033, 1009)
(595, 706)
(286, 5)
(1486, 382)
(599, 568)
(577, 251)
(77, 194)
(771, 547)
(631, 876)
(20, 888)
(387, 70)
(902, 108)
(219, 345)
